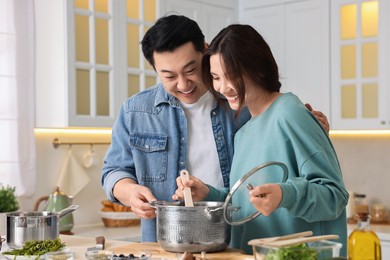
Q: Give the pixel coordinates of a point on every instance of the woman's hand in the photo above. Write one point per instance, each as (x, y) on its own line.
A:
(199, 189)
(320, 116)
(266, 198)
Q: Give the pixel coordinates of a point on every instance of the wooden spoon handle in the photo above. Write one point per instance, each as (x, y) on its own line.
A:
(295, 241)
(260, 241)
(185, 176)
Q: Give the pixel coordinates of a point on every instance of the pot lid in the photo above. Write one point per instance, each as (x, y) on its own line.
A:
(270, 172)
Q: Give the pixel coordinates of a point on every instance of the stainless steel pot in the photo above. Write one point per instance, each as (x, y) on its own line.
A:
(34, 225)
(201, 228)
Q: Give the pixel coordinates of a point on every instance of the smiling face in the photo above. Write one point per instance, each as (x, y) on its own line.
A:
(220, 82)
(180, 72)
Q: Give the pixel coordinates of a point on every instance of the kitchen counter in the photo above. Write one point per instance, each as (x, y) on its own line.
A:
(78, 245)
(130, 234)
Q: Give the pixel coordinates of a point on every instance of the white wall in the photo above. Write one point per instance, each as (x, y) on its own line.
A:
(49, 163)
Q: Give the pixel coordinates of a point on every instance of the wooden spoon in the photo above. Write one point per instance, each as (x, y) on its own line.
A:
(260, 241)
(185, 176)
(300, 240)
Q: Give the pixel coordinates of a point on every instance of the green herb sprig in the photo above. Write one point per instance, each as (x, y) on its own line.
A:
(298, 252)
(8, 200)
(37, 248)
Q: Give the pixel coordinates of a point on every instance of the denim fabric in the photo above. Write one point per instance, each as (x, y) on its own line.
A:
(149, 145)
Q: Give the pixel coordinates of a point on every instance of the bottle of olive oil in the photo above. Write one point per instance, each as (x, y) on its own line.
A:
(363, 243)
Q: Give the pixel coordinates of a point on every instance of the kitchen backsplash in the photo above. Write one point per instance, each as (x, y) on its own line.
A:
(364, 162)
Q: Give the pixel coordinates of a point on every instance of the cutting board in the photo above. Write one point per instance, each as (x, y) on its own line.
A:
(157, 251)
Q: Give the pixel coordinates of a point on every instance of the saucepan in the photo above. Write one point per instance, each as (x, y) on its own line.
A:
(34, 225)
(205, 227)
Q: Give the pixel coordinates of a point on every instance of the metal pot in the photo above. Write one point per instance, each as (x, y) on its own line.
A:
(201, 228)
(34, 225)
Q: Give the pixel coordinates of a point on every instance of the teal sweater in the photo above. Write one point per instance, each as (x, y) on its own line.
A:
(314, 195)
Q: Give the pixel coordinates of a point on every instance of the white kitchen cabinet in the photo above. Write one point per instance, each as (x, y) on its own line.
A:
(385, 246)
(88, 59)
(212, 16)
(360, 64)
(298, 34)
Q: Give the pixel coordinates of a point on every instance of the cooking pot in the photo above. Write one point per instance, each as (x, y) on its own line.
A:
(56, 202)
(34, 225)
(191, 229)
(206, 226)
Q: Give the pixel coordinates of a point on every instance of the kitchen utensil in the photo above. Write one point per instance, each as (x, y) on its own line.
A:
(34, 225)
(99, 244)
(56, 202)
(270, 172)
(260, 241)
(185, 176)
(191, 229)
(204, 227)
(300, 240)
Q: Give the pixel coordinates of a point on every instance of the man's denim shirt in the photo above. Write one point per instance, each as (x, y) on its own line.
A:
(149, 145)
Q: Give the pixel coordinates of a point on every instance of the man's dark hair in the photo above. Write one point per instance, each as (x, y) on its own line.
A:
(169, 33)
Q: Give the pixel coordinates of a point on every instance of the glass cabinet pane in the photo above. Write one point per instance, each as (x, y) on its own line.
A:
(82, 4)
(82, 38)
(133, 49)
(101, 6)
(150, 81)
(348, 101)
(370, 100)
(348, 20)
(82, 92)
(150, 10)
(348, 61)
(132, 8)
(370, 11)
(102, 93)
(369, 60)
(133, 84)
(101, 30)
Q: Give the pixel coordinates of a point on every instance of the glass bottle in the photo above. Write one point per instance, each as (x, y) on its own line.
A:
(363, 243)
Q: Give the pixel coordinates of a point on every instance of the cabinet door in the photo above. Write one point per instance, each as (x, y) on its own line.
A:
(298, 34)
(360, 64)
(385, 246)
(210, 17)
(269, 22)
(307, 53)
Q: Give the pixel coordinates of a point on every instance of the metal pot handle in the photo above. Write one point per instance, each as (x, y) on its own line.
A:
(67, 210)
(153, 204)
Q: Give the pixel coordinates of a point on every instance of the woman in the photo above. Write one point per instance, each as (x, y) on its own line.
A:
(240, 66)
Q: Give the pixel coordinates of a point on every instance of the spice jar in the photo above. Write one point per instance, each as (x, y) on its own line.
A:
(378, 213)
(361, 205)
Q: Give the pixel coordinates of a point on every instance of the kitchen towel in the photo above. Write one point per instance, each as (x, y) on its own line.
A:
(73, 177)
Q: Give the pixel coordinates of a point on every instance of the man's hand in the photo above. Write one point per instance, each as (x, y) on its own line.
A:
(135, 196)
(320, 116)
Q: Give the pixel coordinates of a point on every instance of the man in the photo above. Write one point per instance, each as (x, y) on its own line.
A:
(175, 125)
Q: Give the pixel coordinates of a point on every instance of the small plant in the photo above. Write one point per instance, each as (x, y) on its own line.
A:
(8, 200)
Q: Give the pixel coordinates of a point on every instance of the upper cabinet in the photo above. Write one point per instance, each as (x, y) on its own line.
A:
(298, 35)
(360, 64)
(88, 59)
(88, 56)
(212, 16)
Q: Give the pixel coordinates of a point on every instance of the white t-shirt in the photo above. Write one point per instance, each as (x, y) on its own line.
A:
(202, 156)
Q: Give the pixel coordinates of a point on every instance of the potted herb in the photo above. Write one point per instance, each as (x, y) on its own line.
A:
(8, 203)
(8, 200)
